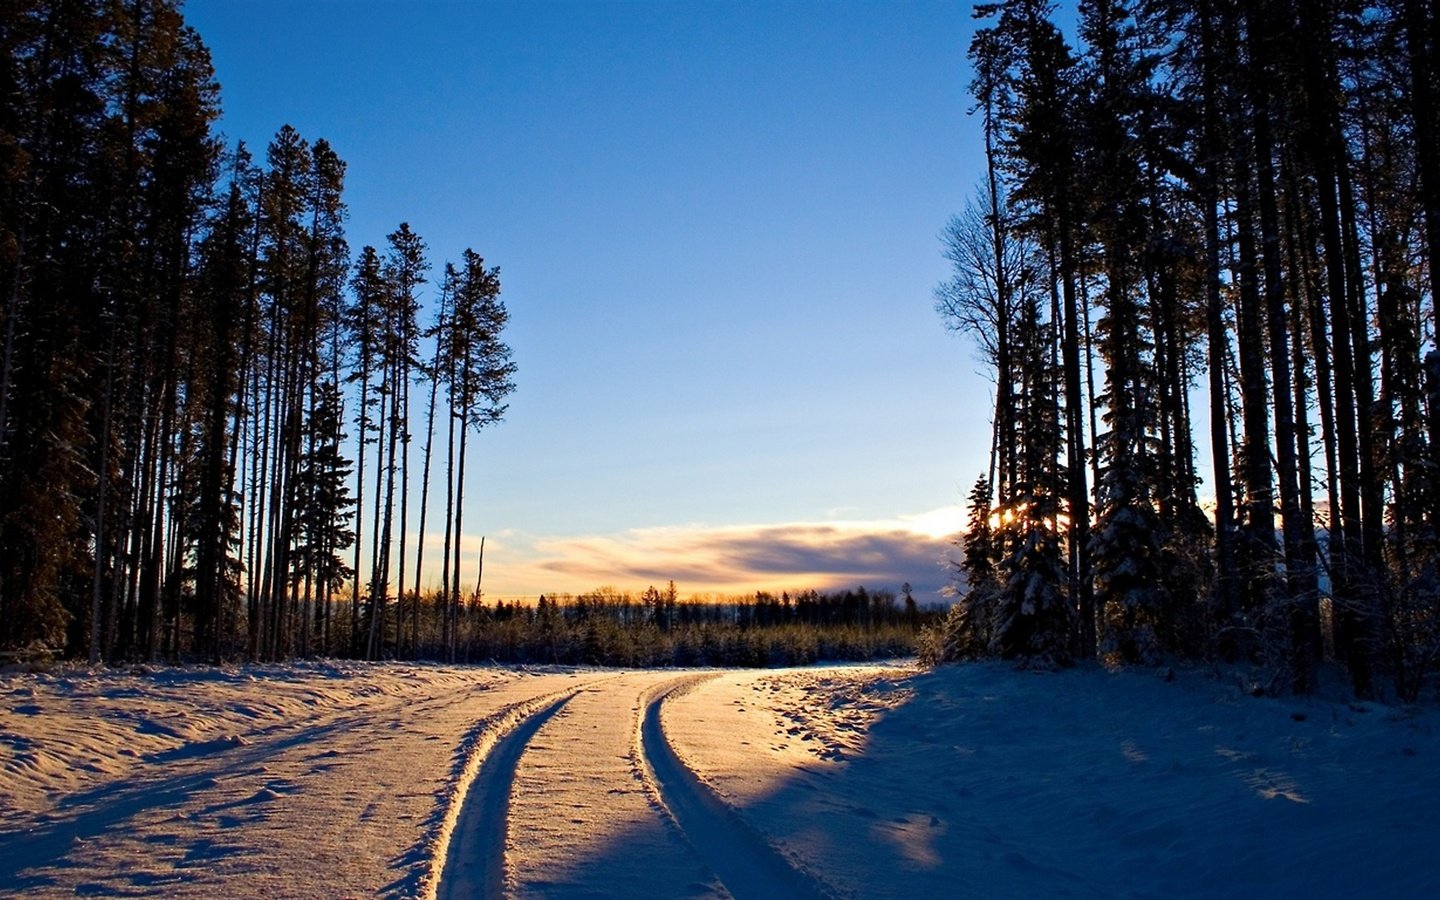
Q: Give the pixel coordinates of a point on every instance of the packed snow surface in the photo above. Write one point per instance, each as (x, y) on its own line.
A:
(348, 779)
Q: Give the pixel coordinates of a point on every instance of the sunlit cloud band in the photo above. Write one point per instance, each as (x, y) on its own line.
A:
(880, 555)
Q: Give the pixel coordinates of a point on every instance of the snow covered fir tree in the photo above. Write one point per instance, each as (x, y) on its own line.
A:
(1203, 247)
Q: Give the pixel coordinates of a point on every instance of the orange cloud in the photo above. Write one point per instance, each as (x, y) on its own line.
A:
(734, 559)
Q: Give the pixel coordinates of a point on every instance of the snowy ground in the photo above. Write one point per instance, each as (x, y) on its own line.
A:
(341, 779)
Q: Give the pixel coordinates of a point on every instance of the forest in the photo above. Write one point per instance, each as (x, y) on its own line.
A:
(1197, 269)
(658, 628)
(189, 354)
(1194, 643)
(212, 416)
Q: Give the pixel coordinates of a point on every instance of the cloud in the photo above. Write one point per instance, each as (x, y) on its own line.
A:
(736, 559)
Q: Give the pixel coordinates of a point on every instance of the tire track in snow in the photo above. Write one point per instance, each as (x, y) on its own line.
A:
(475, 857)
(746, 863)
(470, 841)
(584, 824)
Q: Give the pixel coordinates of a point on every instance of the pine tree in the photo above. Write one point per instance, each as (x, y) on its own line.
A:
(483, 373)
(1127, 543)
(284, 269)
(436, 373)
(364, 323)
(105, 162)
(1033, 621)
(966, 631)
(224, 279)
(402, 273)
(323, 506)
(1044, 149)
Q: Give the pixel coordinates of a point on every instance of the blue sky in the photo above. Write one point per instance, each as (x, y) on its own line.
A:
(716, 226)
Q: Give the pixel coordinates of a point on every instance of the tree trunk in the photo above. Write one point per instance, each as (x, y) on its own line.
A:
(1304, 614)
(459, 530)
(1217, 342)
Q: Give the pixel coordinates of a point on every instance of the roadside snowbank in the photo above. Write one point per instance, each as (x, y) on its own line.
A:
(984, 781)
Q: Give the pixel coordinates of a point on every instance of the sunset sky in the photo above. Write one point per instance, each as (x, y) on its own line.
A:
(717, 231)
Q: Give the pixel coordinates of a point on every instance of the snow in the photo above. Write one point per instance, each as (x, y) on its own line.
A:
(984, 781)
(351, 779)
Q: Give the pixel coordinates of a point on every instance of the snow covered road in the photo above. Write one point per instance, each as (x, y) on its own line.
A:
(393, 780)
(581, 821)
(306, 781)
(585, 797)
(344, 780)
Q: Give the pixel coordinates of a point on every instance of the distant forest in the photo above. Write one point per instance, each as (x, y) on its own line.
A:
(1202, 248)
(189, 353)
(657, 628)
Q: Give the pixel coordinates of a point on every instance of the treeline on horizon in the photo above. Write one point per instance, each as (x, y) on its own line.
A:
(658, 628)
(205, 402)
(1238, 199)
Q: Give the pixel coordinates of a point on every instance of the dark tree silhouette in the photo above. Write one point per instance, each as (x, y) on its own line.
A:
(1244, 187)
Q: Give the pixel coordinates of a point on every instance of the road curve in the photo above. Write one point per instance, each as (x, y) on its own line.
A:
(577, 794)
(750, 867)
(582, 821)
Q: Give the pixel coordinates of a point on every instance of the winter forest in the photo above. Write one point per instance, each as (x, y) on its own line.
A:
(1198, 267)
(1197, 592)
(213, 414)
(1196, 271)
(206, 421)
